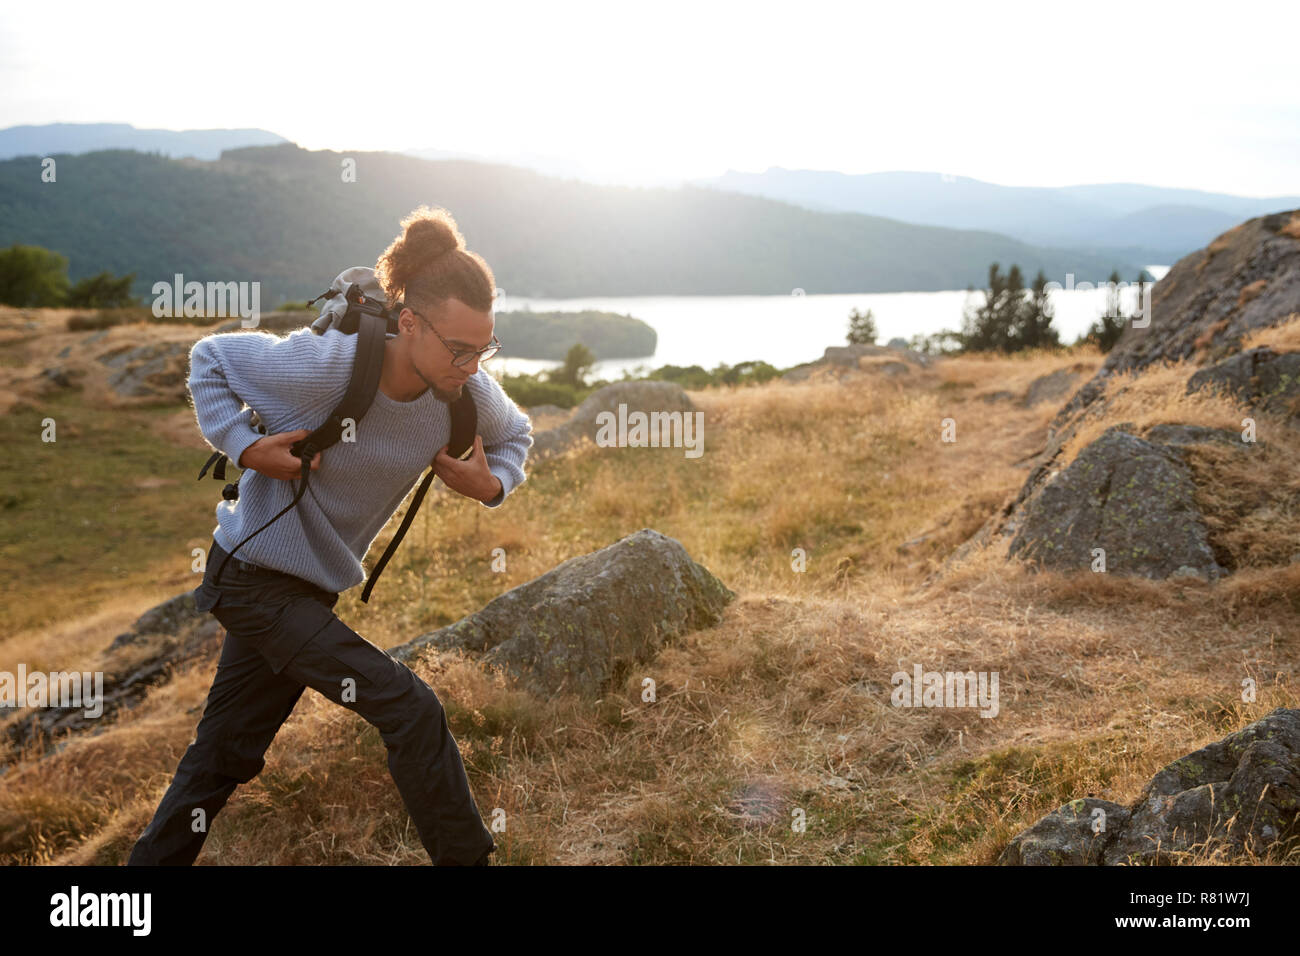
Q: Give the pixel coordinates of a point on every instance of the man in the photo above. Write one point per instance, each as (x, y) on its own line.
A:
(276, 595)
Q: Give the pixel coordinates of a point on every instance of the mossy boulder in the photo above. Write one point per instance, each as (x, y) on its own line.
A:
(1130, 497)
(1238, 794)
(1259, 378)
(586, 621)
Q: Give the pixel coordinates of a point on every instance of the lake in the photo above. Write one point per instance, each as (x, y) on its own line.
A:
(787, 329)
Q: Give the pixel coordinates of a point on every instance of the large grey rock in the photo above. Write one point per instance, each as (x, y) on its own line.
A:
(1052, 386)
(643, 396)
(1045, 466)
(582, 624)
(1072, 835)
(1242, 793)
(848, 355)
(1182, 435)
(153, 370)
(1131, 497)
(1259, 377)
(1244, 789)
(842, 360)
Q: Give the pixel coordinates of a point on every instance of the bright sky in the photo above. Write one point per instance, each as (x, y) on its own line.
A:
(1196, 95)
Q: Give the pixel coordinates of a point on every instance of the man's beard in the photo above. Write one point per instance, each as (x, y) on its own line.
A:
(445, 396)
(440, 394)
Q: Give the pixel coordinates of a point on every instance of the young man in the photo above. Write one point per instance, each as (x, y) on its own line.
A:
(276, 595)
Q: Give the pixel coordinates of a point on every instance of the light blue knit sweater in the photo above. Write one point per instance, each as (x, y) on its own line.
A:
(294, 382)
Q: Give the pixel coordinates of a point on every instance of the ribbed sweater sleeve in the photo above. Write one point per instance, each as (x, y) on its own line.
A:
(507, 434)
(266, 372)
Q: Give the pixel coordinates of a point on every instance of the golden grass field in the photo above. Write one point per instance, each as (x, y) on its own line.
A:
(1104, 679)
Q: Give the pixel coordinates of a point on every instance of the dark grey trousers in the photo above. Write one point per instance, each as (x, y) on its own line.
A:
(282, 636)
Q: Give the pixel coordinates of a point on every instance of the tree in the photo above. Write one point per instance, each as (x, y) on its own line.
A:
(862, 328)
(577, 363)
(1105, 332)
(32, 277)
(1010, 320)
(102, 292)
(990, 326)
(1033, 327)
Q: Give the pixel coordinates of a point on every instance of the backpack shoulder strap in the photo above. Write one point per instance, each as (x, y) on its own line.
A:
(464, 425)
(367, 365)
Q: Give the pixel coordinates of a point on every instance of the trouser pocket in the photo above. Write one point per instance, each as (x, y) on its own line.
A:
(278, 624)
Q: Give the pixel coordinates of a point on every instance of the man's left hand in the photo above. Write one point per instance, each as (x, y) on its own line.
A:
(471, 477)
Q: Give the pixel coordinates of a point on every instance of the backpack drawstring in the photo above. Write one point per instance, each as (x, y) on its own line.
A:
(306, 469)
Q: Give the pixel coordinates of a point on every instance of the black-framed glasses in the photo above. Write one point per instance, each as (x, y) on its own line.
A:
(462, 357)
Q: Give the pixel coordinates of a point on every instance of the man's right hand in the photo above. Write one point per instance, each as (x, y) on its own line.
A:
(271, 456)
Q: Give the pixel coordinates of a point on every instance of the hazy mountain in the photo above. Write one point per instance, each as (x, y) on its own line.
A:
(56, 138)
(286, 217)
(564, 167)
(1154, 223)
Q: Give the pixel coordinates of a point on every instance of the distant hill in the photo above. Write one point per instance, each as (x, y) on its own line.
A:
(284, 216)
(1152, 223)
(88, 137)
(561, 167)
(550, 335)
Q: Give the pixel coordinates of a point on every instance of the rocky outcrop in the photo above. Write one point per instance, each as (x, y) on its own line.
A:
(890, 360)
(643, 396)
(1052, 386)
(155, 370)
(850, 356)
(1131, 498)
(1237, 795)
(1131, 494)
(1073, 835)
(1246, 279)
(1259, 378)
(579, 626)
(171, 634)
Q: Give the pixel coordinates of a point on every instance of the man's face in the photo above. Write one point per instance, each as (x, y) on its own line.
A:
(463, 329)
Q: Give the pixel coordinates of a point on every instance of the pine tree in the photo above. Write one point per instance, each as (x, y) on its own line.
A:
(862, 328)
(1105, 332)
(981, 327)
(1034, 326)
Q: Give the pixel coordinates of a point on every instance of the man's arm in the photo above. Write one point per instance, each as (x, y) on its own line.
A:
(266, 372)
(507, 435)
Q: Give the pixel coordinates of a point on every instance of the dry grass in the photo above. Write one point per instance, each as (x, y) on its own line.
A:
(1103, 679)
(1282, 337)
(1156, 395)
